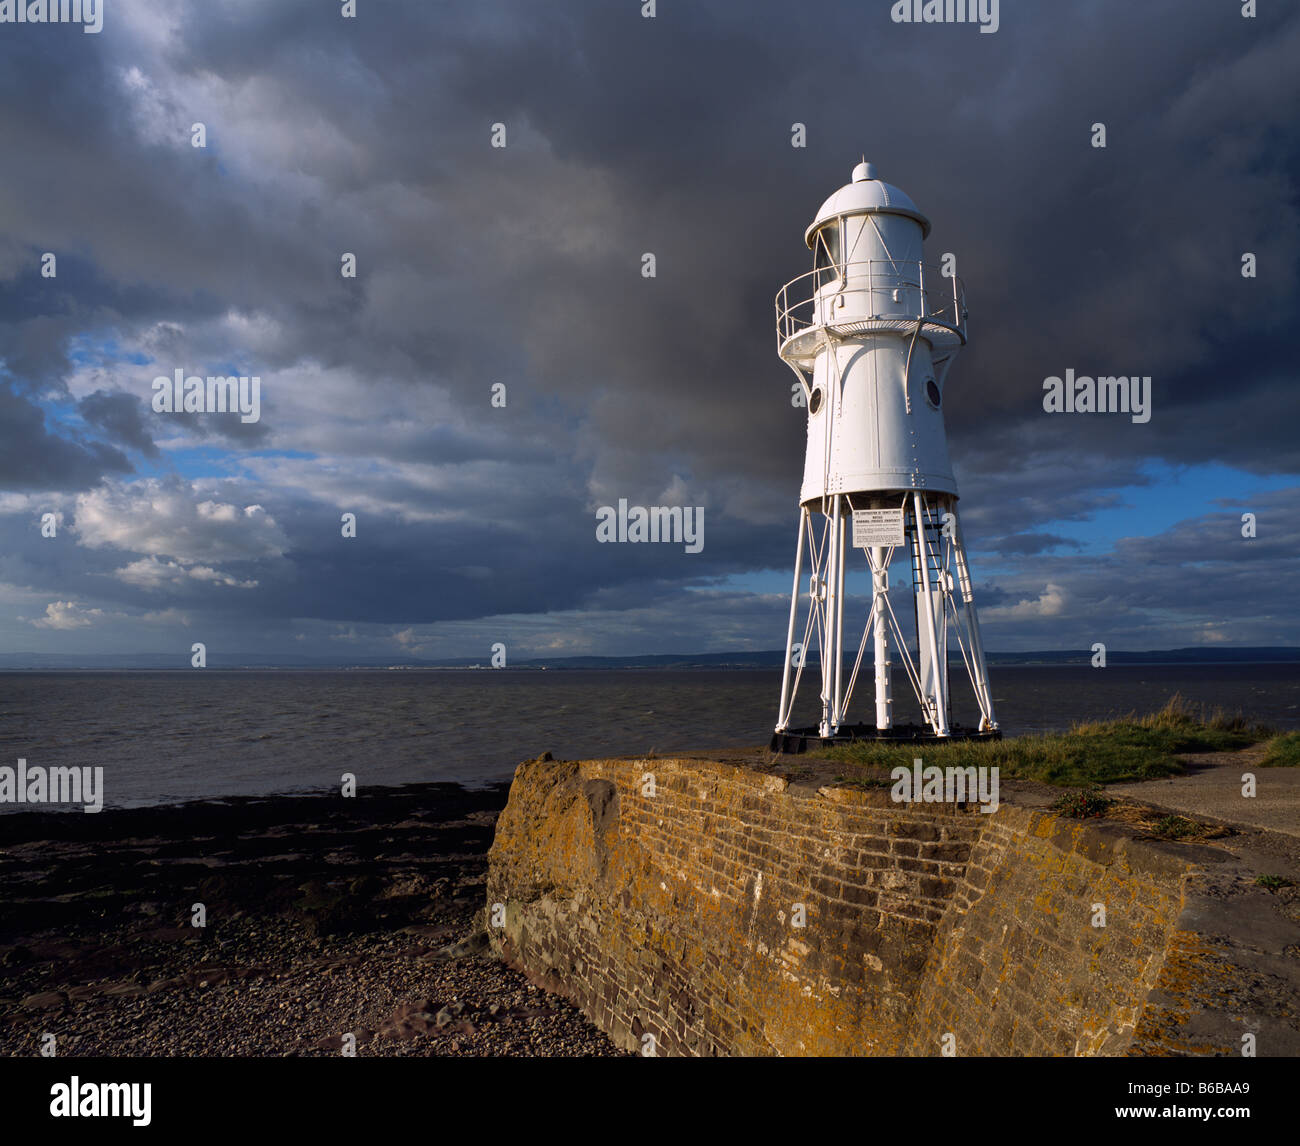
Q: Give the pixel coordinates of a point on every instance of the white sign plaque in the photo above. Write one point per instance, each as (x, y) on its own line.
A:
(877, 527)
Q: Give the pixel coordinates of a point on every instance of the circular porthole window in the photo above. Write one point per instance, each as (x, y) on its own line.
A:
(932, 393)
(815, 401)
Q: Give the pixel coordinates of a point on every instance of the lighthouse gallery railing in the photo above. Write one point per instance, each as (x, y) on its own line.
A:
(871, 289)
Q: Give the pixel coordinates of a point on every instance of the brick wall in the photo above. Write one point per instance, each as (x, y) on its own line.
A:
(674, 915)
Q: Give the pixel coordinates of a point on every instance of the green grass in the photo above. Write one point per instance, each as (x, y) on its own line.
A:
(1283, 752)
(1272, 882)
(1176, 827)
(862, 781)
(1083, 804)
(1106, 752)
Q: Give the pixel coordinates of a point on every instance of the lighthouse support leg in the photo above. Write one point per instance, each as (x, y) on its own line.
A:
(880, 627)
(837, 714)
(794, 613)
(935, 698)
(830, 651)
(980, 681)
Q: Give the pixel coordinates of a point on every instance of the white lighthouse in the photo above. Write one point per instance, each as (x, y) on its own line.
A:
(870, 333)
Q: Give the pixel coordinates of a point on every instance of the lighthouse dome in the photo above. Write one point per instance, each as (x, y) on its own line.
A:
(867, 195)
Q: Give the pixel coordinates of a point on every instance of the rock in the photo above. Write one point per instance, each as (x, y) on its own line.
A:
(334, 1043)
(124, 990)
(420, 1023)
(470, 945)
(406, 1010)
(167, 984)
(167, 934)
(429, 931)
(530, 1012)
(208, 976)
(55, 950)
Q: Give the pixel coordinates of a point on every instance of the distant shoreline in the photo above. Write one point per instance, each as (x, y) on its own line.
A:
(1116, 660)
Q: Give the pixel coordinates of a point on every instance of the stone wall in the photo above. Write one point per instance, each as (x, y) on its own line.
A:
(674, 914)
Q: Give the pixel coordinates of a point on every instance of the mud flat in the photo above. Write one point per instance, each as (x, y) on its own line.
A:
(324, 917)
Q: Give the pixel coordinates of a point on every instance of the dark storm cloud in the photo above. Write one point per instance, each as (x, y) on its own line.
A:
(1027, 544)
(33, 457)
(522, 266)
(119, 416)
(35, 352)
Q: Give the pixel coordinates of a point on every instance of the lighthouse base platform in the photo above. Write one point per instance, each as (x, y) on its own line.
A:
(795, 740)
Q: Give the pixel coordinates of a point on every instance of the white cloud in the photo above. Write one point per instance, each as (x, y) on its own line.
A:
(1049, 603)
(167, 519)
(150, 573)
(67, 615)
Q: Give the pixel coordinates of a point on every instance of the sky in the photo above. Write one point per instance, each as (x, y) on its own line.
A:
(500, 367)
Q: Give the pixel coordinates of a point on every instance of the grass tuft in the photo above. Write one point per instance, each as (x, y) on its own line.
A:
(1283, 752)
(1176, 827)
(1083, 804)
(1272, 882)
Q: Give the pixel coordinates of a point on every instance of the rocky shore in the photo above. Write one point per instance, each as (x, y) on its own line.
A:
(323, 917)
